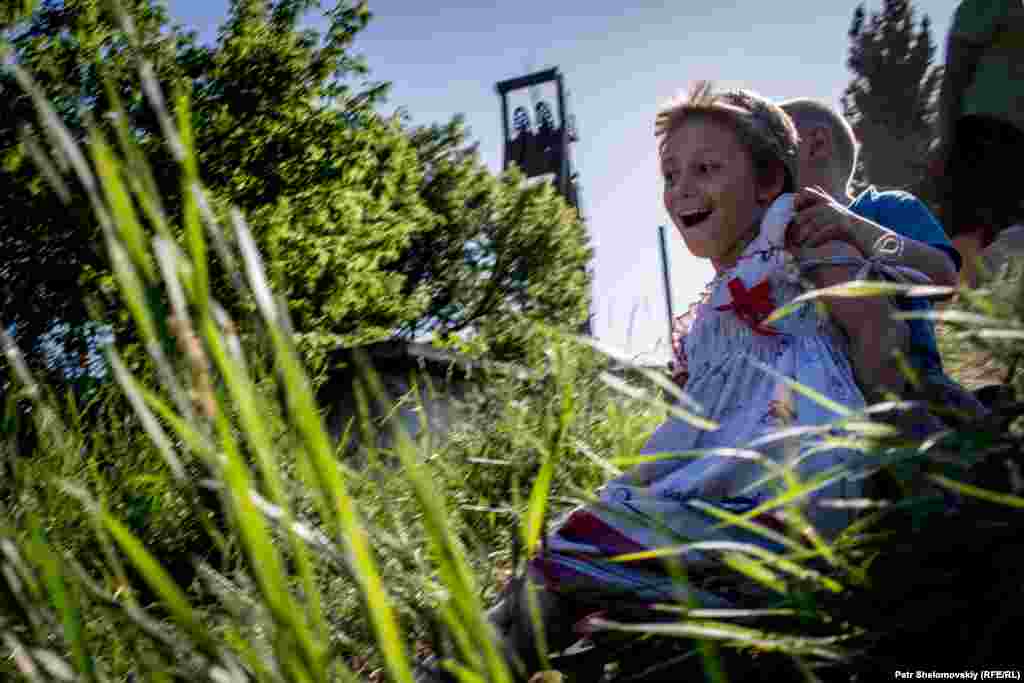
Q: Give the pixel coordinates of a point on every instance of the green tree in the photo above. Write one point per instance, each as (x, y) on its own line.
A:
(12, 11)
(501, 252)
(891, 101)
(370, 230)
(49, 240)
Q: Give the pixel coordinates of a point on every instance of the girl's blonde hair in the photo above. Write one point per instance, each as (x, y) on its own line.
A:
(761, 126)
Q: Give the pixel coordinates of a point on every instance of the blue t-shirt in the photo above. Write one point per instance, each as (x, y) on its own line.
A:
(905, 214)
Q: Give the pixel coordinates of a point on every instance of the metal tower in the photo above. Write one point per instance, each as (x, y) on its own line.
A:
(540, 146)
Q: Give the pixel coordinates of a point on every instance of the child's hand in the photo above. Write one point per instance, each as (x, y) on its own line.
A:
(819, 219)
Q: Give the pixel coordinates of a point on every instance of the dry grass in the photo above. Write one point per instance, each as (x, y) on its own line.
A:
(970, 367)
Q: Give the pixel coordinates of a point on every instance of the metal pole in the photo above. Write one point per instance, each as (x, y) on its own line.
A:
(663, 246)
(563, 142)
(504, 129)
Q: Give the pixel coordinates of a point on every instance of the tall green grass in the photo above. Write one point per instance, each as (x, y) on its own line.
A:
(288, 536)
(202, 529)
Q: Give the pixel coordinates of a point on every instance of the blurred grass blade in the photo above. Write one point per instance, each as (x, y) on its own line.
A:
(139, 175)
(308, 533)
(172, 269)
(1006, 499)
(168, 260)
(777, 561)
(125, 220)
(133, 290)
(756, 572)
(18, 365)
(60, 138)
(171, 596)
(786, 433)
(463, 674)
(251, 411)
(533, 526)
(220, 244)
(178, 139)
(19, 655)
(958, 317)
(64, 600)
(194, 439)
(194, 241)
(254, 270)
(159, 633)
(629, 390)
(43, 163)
(875, 430)
(601, 462)
(731, 634)
(738, 453)
(54, 665)
(743, 522)
(45, 416)
(149, 423)
(657, 378)
(805, 391)
(991, 334)
(342, 514)
(454, 570)
(796, 492)
(265, 558)
(736, 548)
(725, 613)
(856, 289)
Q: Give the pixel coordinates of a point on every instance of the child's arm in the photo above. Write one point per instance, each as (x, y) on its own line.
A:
(873, 333)
(820, 219)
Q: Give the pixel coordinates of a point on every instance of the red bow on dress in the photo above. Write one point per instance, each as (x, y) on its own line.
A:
(751, 305)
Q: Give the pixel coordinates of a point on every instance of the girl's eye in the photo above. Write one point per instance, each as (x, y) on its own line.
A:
(706, 168)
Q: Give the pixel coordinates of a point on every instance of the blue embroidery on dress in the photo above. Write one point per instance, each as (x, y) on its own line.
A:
(782, 348)
(621, 494)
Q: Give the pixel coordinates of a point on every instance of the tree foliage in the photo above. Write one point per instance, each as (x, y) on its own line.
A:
(51, 253)
(893, 97)
(12, 11)
(500, 251)
(371, 229)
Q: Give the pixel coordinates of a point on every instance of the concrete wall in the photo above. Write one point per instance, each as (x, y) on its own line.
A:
(439, 386)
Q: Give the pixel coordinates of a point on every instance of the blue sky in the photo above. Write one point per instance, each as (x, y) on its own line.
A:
(444, 57)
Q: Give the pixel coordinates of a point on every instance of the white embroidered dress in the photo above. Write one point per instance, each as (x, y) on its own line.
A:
(734, 374)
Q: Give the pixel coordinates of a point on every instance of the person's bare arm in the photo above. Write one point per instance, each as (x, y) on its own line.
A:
(873, 334)
(820, 219)
(868, 237)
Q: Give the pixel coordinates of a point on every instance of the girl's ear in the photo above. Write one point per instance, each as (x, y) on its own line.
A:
(819, 144)
(770, 187)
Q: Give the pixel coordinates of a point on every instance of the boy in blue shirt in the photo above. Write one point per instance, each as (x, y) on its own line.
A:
(890, 224)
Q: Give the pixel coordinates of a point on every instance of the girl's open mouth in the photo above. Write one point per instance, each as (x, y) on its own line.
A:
(692, 219)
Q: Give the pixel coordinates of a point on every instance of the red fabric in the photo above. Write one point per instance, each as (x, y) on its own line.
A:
(751, 305)
(584, 527)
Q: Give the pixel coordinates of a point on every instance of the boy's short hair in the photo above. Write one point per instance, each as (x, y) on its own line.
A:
(807, 113)
(761, 126)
